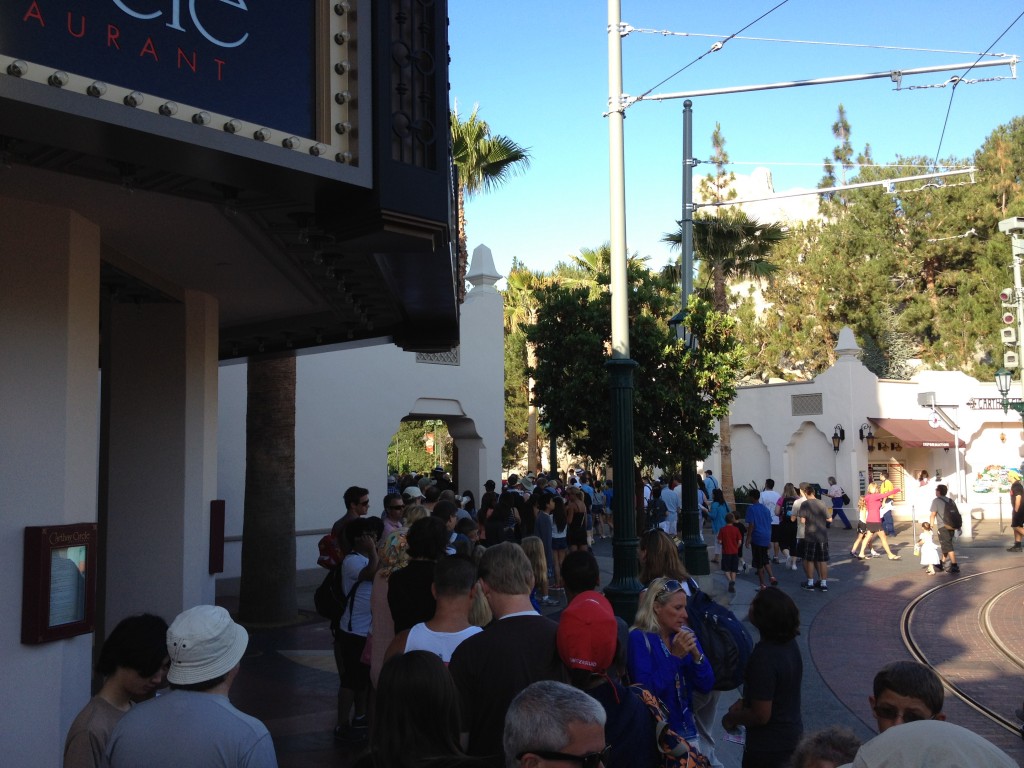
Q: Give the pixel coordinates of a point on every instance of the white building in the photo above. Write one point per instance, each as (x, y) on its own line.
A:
(784, 432)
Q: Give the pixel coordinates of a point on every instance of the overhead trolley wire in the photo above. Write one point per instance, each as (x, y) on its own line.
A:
(952, 93)
(716, 47)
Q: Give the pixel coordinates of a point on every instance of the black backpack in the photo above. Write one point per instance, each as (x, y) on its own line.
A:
(725, 641)
(951, 516)
(329, 598)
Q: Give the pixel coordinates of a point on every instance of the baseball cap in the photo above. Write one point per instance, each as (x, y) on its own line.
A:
(412, 493)
(204, 643)
(587, 633)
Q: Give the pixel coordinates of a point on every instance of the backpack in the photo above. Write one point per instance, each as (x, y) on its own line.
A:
(329, 598)
(951, 516)
(675, 751)
(658, 512)
(725, 641)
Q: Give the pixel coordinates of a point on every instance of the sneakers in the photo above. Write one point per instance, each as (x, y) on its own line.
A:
(823, 587)
(792, 565)
(732, 586)
(806, 586)
(954, 568)
(1015, 548)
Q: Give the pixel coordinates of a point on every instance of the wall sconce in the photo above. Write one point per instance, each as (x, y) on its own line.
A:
(865, 432)
(871, 446)
(838, 435)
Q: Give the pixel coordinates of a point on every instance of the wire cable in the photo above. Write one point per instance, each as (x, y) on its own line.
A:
(949, 107)
(716, 47)
(668, 33)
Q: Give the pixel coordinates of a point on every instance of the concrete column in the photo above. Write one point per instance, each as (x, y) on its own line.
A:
(49, 394)
(162, 456)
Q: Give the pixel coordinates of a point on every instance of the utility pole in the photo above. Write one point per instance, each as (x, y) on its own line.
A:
(624, 588)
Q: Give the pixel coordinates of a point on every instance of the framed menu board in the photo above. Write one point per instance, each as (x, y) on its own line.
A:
(58, 595)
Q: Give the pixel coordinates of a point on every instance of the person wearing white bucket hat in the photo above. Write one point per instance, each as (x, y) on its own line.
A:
(195, 724)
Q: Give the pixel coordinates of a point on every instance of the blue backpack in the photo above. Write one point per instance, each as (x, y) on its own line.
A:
(723, 638)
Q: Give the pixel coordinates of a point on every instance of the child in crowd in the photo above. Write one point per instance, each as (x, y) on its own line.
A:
(927, 548)
(534, 549)
(729, 541)
(906, 691)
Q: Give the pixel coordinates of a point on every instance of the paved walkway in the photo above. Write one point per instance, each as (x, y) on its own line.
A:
(288, 678)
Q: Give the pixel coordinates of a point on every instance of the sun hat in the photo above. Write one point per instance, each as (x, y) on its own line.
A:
(204, 643)
(587, 633)
(527, 484)
(412, 493)
(929, 744)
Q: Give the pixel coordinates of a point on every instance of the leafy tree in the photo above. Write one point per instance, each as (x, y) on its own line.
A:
(482, 162)
(520, 310)
(516, 388)
(678, 391)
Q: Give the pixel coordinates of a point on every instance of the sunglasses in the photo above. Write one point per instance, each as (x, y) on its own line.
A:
(670, 587)
(589, 760)
(889, 712)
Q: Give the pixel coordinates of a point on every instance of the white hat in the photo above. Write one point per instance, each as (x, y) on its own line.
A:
(204, 643)
(929, 744)
(412, 493)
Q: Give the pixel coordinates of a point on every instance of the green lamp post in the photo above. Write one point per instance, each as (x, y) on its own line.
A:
(1003, 379)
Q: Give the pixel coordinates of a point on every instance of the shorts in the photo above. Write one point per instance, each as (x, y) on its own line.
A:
(815, 552)
(946, 539)
(730, 563)
(759, 556)
(874, 527)
(559, 543)
(355, 675)
(1017, 521)
(862, 527)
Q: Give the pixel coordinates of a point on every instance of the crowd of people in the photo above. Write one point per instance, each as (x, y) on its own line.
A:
(445, 658)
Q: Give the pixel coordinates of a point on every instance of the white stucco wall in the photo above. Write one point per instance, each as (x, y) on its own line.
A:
(348, 406)
(771, 437)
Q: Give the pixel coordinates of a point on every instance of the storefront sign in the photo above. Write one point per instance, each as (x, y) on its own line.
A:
(248, 59)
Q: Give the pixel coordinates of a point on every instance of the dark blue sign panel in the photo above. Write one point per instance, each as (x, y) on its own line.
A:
(249, 59)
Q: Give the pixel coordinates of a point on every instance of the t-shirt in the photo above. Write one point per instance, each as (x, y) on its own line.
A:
(492, 667)
(816, 519)
(759, 516)
(770, 499)
(89, 733)
(711, 484)
(423, 638)
(775, 673)
(359, 607)
(731, 540)
(1016, 491)
(190, 728)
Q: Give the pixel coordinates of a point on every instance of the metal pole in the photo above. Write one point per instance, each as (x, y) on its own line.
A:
(1016, 255)
(624, 588)
(688, 165)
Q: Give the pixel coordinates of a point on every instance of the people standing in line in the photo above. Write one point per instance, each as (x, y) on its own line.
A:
(394, 510)
(758, 539)
(410, 598)
(673, 504)
(836, 493)
(514, 650)
(711, 482)
(884, 487)
(133, 663)
(940, 520)
(534, 549)
(1017, 514)
(703, 503)
(664, 656)
(815, 517)
(927, 548)
(357, 504)
(873, 504)
(718, 511)
(730, 541)
(770, 708)
(195, 724)
(770, 498)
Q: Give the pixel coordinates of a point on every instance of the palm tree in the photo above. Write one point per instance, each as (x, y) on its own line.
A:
(520, 311)
(733, 247)
(482, 162)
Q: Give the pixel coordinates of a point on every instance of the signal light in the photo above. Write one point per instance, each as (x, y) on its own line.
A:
(1006, 295)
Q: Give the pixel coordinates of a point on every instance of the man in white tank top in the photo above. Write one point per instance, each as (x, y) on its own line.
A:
(454, 587)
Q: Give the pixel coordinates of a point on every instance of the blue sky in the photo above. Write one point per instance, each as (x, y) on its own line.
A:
(539, 71)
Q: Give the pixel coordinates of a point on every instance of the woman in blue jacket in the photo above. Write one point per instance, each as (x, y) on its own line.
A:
(664, 656)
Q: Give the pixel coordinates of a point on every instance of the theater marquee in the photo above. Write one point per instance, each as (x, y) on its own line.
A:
(279, 73)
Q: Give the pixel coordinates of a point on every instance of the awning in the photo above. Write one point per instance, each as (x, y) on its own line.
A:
(916, 433)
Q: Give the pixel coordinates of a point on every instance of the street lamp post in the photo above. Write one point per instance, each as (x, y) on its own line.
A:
(1003, 380)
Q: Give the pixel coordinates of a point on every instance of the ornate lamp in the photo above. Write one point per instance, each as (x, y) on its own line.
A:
(838, 435)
